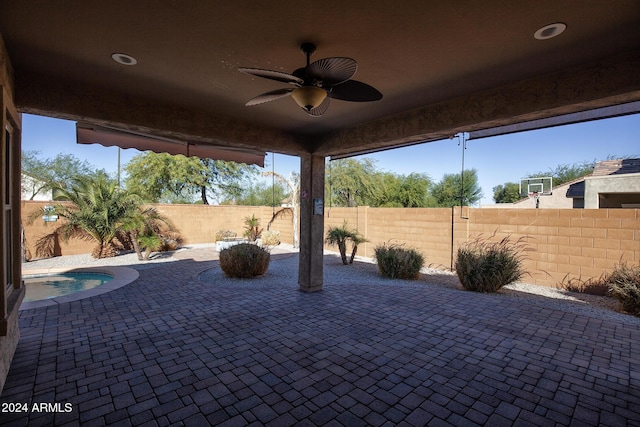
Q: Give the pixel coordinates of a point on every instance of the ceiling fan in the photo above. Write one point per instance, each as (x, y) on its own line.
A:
(316, 83)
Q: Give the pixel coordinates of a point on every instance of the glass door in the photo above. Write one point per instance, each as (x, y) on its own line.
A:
(7, 238)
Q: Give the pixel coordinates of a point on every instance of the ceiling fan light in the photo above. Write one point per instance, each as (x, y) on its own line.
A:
(309, 97)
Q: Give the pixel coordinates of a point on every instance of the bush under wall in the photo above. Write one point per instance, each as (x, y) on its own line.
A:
(624, 285)
(486, 266)
(397, 262)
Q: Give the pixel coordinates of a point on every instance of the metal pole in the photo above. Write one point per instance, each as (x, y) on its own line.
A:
(118, 167)
(464, 147)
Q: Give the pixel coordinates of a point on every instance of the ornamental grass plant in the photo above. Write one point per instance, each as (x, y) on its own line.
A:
(486, 266)
(592, 286)
(624, 285)
(244, 260)
(397, 262)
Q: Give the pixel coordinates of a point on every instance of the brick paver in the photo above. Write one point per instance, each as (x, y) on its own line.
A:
(171, 350)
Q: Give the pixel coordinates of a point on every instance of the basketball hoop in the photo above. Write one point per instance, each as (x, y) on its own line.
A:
(537, 186)
(536, 196)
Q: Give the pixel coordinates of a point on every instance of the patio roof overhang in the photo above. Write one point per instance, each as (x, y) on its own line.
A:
(443, 67)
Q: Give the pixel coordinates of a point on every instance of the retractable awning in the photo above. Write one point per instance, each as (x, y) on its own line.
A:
(565, 119)
(87, 133)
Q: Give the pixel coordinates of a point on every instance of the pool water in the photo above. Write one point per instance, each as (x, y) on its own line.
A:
(57, 284)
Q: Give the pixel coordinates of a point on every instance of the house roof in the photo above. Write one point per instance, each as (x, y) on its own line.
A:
(576, 188)
(603, 168)
(442, 67)
(617, 167)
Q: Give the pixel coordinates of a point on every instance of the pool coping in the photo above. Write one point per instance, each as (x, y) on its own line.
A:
(121, 276)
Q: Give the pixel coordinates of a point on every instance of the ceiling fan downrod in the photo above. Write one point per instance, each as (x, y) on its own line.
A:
(308, 49)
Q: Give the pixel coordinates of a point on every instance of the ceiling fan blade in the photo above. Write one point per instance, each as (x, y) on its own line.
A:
(270, 96)
(354, 91)
(273, 75)
(331, 71)
(320, 109)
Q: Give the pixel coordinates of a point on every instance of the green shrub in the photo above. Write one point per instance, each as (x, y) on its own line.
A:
(485, 266)
(624, 285)
(396, 262)
(244, 260)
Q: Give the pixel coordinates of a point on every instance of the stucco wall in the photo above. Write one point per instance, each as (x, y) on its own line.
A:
(563, 242)
(595, 185)
(557, 200)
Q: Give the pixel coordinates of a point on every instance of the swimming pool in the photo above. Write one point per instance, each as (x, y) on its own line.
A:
(45, 286)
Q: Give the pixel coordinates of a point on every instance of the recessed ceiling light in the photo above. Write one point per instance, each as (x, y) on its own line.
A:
(550, 31)
(124, 59)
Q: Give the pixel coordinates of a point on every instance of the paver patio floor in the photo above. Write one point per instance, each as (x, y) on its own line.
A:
(171, 350)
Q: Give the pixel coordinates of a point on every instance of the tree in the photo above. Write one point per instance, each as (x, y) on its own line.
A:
(96, 209)
(144, 226)
(507, 193)
(41, 175)
(162, 177)
(263, 194)
(457, 189)
(352, 182)
(341, 236)
(566, 172)
(407, 191)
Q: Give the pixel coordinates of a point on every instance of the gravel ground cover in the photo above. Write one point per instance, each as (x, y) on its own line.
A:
(283, 271)
(128, 259)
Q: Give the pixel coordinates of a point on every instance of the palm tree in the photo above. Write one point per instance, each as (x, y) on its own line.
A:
(143, 226)
(252, 228)
(356, 239)
(340, 236)
(97, 209)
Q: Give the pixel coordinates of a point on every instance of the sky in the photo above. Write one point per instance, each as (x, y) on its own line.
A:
(498, 160)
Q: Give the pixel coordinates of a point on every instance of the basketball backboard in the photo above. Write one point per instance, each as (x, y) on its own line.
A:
(539, 185)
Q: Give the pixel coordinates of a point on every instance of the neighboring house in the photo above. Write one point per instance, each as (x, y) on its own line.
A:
(31, 188)
(613, 184)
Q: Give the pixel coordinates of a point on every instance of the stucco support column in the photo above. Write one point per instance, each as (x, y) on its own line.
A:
(311, 223)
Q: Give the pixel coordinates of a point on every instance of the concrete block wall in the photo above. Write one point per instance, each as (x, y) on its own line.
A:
(196, 224)
(427, 230)
(571, 243)
(562, 243)
(36, 228)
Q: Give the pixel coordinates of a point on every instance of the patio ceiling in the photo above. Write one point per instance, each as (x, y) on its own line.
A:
(443, 67)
